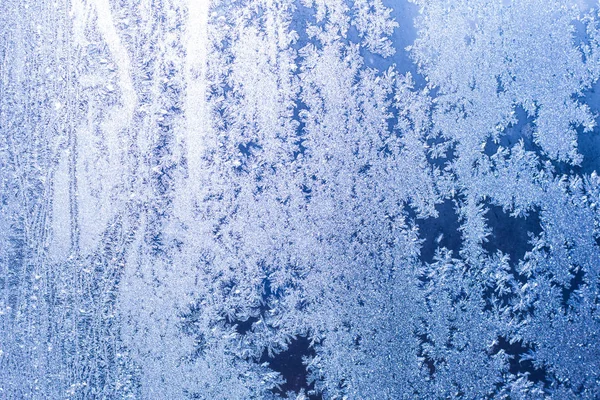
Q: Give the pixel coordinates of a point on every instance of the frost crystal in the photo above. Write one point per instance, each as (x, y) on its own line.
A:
(267, 199)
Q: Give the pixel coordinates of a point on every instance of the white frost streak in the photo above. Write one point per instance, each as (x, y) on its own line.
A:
(61, 215)
(119, 118)
(80, 15)
(195, 70)
(109, 33)
(193, 136)
(100, 177)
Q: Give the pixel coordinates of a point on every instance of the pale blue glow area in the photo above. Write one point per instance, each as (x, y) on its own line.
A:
(301, 199)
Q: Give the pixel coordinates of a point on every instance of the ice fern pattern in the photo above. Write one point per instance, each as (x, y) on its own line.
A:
(299, 199)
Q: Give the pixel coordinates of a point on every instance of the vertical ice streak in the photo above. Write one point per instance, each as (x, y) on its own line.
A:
(61, 210)
(196, 116)
(108, 30)
(101, 174)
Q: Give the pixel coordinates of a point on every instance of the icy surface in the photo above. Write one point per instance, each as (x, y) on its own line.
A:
(302, 199)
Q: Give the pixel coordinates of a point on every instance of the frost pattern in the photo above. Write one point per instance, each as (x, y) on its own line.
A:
(249, 200)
